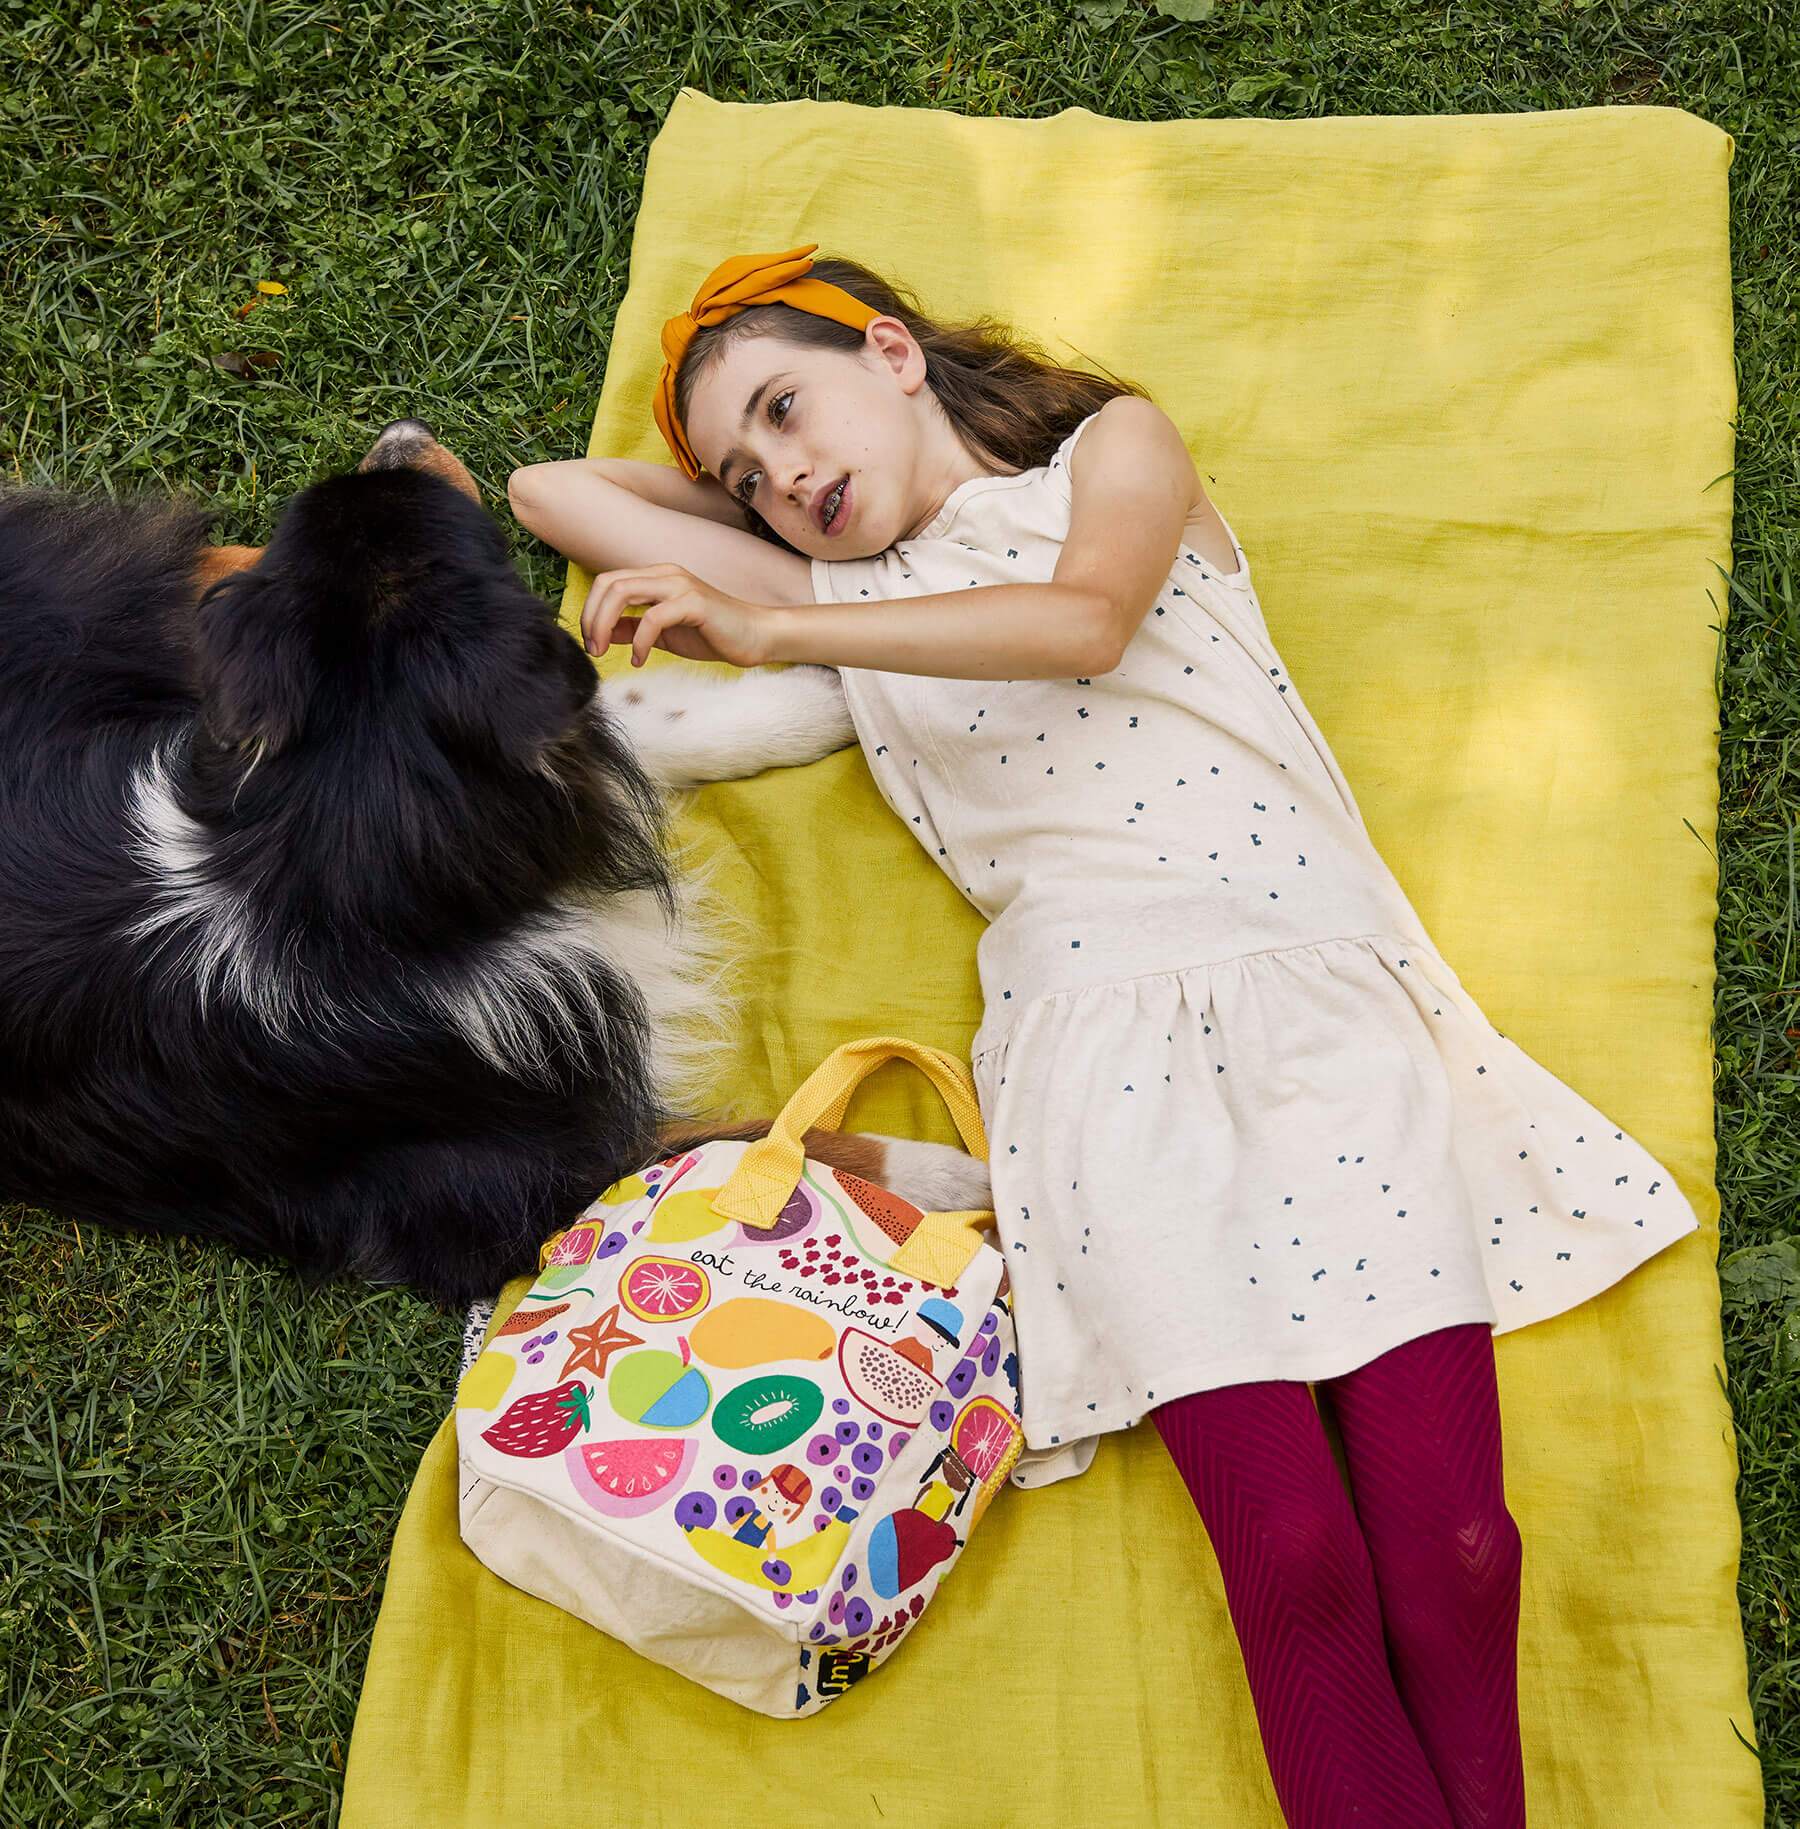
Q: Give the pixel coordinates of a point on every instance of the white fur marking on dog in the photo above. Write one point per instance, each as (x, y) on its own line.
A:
(220, 934)
(534, 1000)
(475, 1321)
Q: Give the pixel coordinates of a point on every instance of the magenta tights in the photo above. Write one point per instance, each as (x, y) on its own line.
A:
(1380, 1643)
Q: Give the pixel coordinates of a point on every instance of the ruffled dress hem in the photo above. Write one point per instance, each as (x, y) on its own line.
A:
(1266, 1100)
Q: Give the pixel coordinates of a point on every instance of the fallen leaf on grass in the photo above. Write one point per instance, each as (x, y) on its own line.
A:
(244, 364)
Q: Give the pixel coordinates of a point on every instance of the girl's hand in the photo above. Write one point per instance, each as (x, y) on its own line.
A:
(683, 614)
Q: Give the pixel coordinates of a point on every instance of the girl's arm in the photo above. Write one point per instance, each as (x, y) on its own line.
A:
(1132, 487)
(608, 512)
(987, 632)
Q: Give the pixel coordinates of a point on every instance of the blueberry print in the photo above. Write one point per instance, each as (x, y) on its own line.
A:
(1200, 1033)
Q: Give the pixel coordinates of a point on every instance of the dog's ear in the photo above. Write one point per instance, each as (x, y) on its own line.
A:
(388, 597)
(508, 693)
(255, 662)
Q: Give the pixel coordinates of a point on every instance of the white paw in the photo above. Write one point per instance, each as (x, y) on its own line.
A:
(689, 727)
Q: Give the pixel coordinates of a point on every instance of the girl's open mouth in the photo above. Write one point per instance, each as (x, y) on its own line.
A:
(837, 508)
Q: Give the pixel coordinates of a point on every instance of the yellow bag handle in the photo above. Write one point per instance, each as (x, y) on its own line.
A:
(941, 1244)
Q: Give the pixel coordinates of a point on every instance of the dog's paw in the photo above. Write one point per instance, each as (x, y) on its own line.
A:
(688, 728)
(807, 703)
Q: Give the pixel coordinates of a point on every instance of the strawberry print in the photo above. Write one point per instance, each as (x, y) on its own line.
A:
(542, 1422)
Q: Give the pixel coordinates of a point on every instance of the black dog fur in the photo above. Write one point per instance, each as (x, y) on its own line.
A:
(381, 764)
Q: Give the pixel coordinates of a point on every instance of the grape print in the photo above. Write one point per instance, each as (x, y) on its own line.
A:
(696, 1510)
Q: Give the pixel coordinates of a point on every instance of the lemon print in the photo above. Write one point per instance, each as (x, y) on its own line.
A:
(685, 1214)
(623, 1193)
(485, 1382)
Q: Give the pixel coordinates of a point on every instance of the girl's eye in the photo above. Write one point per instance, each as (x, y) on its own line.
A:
(744, 493)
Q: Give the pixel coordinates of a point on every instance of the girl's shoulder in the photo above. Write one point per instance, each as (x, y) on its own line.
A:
(1205, 538)
(1018, 520)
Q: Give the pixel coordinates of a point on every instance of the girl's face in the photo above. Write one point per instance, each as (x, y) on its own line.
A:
(781, 425)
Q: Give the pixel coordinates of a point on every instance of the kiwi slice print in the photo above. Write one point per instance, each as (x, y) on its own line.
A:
(766, 1413)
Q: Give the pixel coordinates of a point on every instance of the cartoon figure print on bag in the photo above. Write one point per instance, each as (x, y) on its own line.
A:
(777, 1500)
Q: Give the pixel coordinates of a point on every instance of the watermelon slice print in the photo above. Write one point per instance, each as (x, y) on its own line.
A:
(541, 1422)
(626, 1479)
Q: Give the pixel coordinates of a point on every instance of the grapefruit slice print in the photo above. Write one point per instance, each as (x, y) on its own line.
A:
(988, 1441)
(664, 1288)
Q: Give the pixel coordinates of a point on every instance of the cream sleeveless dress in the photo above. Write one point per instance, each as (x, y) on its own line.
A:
(1244, 1121)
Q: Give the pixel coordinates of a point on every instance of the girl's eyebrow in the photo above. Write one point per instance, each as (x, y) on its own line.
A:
(734, 455)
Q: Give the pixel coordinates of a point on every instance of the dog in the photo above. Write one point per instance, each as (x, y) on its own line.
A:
(339, 921)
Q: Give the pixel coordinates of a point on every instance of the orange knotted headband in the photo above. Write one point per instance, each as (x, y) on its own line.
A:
(745, 279)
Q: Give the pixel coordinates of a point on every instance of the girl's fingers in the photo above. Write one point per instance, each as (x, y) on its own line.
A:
(611, 593)
(649, 631)
(591, 611)
(622, 589)
(608, 595)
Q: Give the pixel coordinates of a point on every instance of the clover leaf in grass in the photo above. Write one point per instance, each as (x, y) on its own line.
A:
(1767, 1273)
(1761, 1273)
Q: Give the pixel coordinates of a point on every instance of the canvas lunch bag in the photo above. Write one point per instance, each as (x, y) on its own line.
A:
(753, 1406)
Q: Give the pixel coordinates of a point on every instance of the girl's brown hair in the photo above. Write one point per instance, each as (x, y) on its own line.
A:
(1011, 404)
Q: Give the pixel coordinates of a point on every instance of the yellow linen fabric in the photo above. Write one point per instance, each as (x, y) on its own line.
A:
(1463, 385)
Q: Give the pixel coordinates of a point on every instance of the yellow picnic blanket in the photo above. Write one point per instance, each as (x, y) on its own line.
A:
(1463, 386)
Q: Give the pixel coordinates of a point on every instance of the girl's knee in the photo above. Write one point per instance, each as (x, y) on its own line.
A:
(1314, 1557)
(1489, 1552)
(1464, 1568)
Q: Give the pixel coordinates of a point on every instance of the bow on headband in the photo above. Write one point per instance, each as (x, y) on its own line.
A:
(745, 279)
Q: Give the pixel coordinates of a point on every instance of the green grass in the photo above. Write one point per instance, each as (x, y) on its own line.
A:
(201, 1467)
